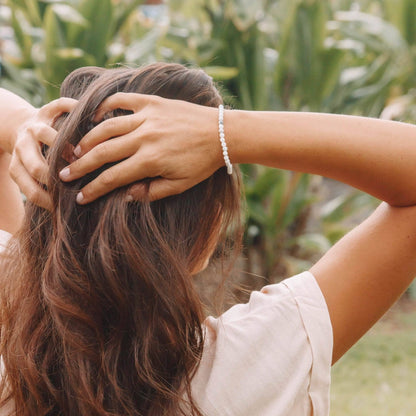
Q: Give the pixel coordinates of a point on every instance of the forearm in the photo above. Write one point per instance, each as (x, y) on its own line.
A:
(14, 111)
(376, 156)
(11, 205)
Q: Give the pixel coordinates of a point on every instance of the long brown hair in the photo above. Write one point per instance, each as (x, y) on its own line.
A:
(99, 314)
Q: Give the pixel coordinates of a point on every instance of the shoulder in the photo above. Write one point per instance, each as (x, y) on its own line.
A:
(270, 354)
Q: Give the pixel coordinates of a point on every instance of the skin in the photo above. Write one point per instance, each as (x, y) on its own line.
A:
(365, 272)
(24, 129)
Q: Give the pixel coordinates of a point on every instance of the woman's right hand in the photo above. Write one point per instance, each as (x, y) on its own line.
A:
(28, 167)
(173, 141)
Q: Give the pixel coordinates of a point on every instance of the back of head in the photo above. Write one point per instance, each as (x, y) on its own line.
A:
(101, 316)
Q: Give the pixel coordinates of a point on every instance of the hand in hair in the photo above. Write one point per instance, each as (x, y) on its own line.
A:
(28, 167)
(149, 144)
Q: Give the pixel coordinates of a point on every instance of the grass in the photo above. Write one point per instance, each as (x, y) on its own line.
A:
(378, 375)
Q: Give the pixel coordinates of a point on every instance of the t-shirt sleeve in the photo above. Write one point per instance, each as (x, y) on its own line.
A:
(316, 320)
(4, 239)
(270, 356)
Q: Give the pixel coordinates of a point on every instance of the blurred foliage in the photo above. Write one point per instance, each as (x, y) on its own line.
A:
(54, 37)
(339, 56)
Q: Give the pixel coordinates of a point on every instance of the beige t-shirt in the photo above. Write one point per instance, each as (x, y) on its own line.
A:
(269, 357)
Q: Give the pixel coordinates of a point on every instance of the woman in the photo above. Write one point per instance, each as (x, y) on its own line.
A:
(99, 336)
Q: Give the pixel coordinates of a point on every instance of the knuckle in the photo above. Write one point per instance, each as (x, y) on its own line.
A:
(33, 195)
(150, 159)
(46, 109)
(43, 130)
(146, 165)
(18, 151)
(36, 170)
(108, 177)
(156, 99)
(13, 168)
(110, 123)
(102, 152)
(31, 130)
(35, 130)
(12, 173)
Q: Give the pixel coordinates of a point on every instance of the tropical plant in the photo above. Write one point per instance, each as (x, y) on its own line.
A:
(308, 55)
(55, 36)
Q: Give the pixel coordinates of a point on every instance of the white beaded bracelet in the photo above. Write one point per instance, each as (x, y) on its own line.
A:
(222, 139)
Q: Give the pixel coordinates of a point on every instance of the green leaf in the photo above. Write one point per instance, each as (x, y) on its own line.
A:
(266, 182)
(277, 195)
(298, 198)
(62, 62)
(142, 49)
(122, 14)
(314, 242)
(54, 31)
(23, 39)
(99, 15)
(70, 15)
(33, 11)
(343, 206)
(60, 59)
(221, 73)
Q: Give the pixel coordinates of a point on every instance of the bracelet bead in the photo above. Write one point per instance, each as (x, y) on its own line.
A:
(222, 140)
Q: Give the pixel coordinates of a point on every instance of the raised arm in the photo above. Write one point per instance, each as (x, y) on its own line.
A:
(179, 142)
(369, 269)
(13, 113)
(373, 155)
(365, 272)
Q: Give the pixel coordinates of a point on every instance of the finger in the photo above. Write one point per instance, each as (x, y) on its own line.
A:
(123, 100)
(162, 188)
(28, 186)
(68, 153)
(138, 192)
(107, 152)
(32, 160)
(55, 108)
(44, 134)
(115, 126)
(117, 176)
(157, 189)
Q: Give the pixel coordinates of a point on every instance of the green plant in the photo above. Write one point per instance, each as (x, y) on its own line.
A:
(55, 36)
(278, 204)
(308, 55)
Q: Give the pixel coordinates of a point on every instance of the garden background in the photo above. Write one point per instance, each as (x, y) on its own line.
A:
(338, 56)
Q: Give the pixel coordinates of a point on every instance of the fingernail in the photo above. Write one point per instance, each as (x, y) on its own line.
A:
(129, 198)
(80, 198)
(64, 173)
(77, 151)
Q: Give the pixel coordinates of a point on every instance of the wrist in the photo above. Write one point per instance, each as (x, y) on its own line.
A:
(14, 112)
(234, 121)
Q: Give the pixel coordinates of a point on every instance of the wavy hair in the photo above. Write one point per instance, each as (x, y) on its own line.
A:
(99, 314)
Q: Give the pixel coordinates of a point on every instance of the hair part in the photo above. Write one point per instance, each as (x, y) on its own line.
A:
(99, 314)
